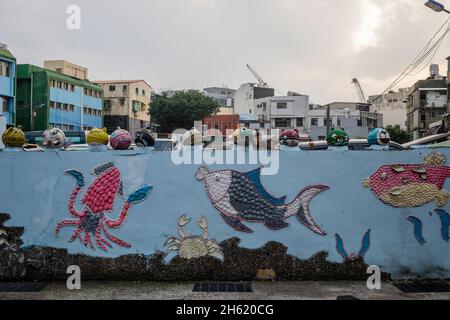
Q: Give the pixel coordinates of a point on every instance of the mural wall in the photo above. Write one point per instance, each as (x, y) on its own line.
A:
(127, 215)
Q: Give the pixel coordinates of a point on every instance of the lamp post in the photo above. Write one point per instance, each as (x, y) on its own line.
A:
(436, 6)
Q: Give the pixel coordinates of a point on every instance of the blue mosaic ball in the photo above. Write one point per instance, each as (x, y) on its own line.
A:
(379, 136)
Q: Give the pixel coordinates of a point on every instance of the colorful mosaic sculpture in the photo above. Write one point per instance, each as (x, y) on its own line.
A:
(411, 185)
(98, 201)
(194, 247)
(418, 230)
(144, 138)
(13, 137)
(290, 137)
(365, 246)
(54, 138)
(445, 223)
(241, 197)
(379, 136)
(338, 138)
(97, 137)
(120, 139)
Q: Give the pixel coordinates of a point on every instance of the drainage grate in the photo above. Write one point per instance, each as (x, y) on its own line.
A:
(240, 287)
(22, 286)
(423, 287)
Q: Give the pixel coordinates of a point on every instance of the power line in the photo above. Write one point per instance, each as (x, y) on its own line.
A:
(420, 57)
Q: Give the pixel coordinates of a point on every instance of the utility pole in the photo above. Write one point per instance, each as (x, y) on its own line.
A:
(328, 119)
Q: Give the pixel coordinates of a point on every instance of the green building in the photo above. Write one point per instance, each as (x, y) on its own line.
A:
(49, 99)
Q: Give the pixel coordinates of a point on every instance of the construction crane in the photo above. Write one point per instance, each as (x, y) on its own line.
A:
(256, 75)
(359, 91)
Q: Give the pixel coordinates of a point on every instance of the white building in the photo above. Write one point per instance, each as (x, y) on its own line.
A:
(223, 97)
(355, 118)
(245, 96)
(282, 112)
(392, 106)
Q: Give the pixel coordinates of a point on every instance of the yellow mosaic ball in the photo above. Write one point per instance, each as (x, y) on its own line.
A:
(98, 136)
(13, 137)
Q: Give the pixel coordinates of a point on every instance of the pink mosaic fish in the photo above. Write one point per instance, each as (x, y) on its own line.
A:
(411, 185)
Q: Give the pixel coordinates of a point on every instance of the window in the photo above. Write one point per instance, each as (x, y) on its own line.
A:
(122, 102)
(65, 107)
(137, 91)
(4, 104)
(72, 88)
(66, 86)
(423, 117)
(125, 89)
(299, 122)
(282, 123)
(143, 92)
(5, 69)
(314, 122)
(60, 85)
(58, 106)
(281, 105)
(112, 88)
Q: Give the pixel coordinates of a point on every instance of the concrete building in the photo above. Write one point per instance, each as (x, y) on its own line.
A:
(224, 97)
(392, 106)
(426, 104)
(283, 112)
(127, 104)
(246, 94)
(67, 68)
(49, 99)
(355, 118)
(7, 85)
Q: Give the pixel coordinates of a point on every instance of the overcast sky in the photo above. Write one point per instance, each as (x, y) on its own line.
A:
(314, 47)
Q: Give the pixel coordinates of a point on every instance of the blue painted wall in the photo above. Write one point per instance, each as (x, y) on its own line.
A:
(77, 98)
(7, 85)
(35, 192)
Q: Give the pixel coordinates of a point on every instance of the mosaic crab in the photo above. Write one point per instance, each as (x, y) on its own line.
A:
(99, 200)
(193, 247)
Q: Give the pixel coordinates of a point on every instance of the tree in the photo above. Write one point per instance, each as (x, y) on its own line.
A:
(398, 134)
(181, 110)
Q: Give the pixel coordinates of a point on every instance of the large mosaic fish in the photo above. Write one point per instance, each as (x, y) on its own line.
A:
(241, 197)
(412, 185)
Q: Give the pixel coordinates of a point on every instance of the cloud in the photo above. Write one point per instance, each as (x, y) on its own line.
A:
(313, 47)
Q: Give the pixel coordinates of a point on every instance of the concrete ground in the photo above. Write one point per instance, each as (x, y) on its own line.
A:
(183, 291)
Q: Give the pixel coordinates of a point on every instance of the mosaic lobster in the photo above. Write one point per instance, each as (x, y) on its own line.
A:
(99, 200)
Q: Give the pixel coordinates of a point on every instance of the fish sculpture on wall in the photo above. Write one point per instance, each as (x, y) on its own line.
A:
(412, 185)
(241, 197)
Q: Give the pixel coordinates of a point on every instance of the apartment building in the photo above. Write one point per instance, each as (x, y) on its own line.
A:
(50, 99)
(427, 103)
(127, 104)
(283, 112)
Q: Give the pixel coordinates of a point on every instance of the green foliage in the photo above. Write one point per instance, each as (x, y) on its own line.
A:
(398, 134)
(181, 110)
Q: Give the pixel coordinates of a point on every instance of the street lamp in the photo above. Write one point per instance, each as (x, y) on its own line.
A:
(436, 6)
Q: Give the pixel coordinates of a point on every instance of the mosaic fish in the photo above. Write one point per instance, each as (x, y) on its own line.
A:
(241, 197)
(412, 185)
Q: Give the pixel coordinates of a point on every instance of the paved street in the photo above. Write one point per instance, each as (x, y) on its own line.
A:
(183, 291)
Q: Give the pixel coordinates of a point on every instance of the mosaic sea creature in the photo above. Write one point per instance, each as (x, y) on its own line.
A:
(365, 246)
(445, 223)
(412, 185)
(241, 197)
(418, 230)
(194, 247)
(98, 201)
